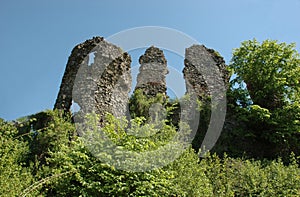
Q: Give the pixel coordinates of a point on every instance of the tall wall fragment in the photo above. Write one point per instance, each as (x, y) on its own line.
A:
(113, 87)
(100, 84)
(206, 77)
(204, 72)
(152, 72)
(78, 54)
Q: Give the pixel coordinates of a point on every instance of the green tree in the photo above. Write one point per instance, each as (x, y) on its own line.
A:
(140, 104)
(267, 90)
(70, 168)
(14, 176)
(271, 71)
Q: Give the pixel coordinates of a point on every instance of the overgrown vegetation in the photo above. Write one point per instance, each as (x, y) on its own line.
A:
(265, 94)
(43, 155)
(71, 170)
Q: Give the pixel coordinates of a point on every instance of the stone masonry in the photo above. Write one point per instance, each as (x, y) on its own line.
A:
(152, 72)
(78, 54)
(102, 84)
(97, 85)
(204, 72)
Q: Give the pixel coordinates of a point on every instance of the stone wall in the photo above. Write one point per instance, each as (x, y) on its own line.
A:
(204, 72)
(206, 79)
(78, 54)
(102, 84)
(113, 88)
(97, 85)
(152, 72)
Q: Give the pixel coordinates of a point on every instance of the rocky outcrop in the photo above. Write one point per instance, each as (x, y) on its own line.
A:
(152, 72)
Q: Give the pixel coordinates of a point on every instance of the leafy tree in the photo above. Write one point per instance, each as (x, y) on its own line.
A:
(271, 71)
(70, 169)
(140, 104)
(14, 176)
(267, 91)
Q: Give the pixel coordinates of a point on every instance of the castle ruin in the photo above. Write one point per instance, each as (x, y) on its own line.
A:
(103, 85)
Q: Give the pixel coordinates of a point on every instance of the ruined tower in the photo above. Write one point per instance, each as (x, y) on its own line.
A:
(152, 72)
(100, 84)
(205, 72)
(77, 57)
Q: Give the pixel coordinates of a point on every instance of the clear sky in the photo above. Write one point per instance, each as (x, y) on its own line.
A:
(37, 36)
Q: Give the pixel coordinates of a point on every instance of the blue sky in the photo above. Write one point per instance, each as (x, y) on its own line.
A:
(37, 36)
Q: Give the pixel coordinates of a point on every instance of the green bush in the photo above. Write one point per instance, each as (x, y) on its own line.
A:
(14, 176)
(70, 169)
(241, 177)
(266, 92)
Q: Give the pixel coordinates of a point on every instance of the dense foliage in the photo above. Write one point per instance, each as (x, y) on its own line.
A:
(267, 91)
(65, 167)
(270, 70)
(13, 176)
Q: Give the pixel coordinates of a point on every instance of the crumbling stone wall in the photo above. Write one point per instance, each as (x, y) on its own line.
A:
(113, 88)
(206, 77)
(78, 54)
(152, 72)
(204, 72)
(100, 85)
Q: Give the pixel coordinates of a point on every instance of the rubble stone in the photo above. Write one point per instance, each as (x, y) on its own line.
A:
(205, 72)
(100, 85)
(152, 72)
